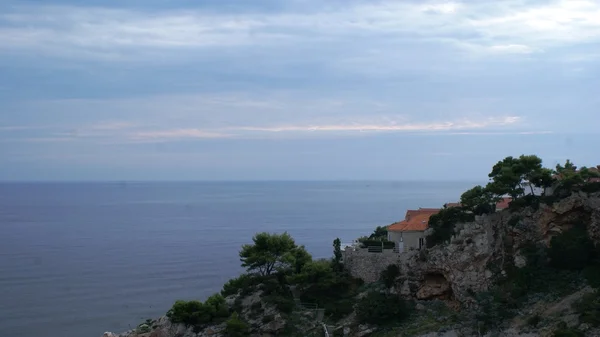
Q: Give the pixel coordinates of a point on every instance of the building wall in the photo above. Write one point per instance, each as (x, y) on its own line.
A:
(410, 239)
(368, 266)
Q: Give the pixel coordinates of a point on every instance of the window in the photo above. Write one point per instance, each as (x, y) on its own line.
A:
(421, 242)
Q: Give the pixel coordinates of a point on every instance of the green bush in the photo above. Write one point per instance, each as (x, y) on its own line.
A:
(591, 187)
(532, 201)
(283, 304)
(514, 221)
(268, 319)
(389, 275)
(192, 313)
(239, 284)
(235, 327)
(588, 309)
(572, 332)
(495, 306)
(196, 313)
(381, 308)
(378, 243)
(571, 250)
(443, 224)
(534, 320)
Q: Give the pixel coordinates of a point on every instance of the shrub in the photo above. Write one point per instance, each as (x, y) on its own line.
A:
(389, 275)
(592, 275)
(572, 250)
(378, 243)
(283, 304)
(589, 309)
(381, 308)
(196, 313)
(241, 283)
(217, 307)
(443, 224)
(192, 313)
(268, 319)
(569, 333)
(494, 307)
(235, 327)
(532, 201)
(514, 221)
(591, 187)
(143, 328)
(534, 320)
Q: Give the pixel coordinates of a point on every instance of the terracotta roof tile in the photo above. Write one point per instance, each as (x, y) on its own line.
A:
(503, 204)
(416, 220)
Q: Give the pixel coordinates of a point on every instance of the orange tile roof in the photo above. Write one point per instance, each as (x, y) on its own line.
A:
(503, 204)
(416, 220)
(453, 204)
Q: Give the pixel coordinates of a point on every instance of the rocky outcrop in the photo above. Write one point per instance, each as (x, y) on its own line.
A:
(477, 254)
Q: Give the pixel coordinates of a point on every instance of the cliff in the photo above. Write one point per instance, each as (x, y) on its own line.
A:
(498, 275)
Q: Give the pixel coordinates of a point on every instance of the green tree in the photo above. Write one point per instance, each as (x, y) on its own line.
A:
(443, 223)
(513, 175)
(479, 200)
(381, 308)
(191, 313)
(572, 249)
(235, 327)
(270, 252)
(300, 258)
(337, 253)
(569, 177)
(217, 307)
(380, 233)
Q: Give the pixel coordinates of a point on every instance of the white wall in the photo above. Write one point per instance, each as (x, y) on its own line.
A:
(410, 239)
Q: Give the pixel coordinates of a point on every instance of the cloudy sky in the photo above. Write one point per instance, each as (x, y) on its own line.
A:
(294, 89)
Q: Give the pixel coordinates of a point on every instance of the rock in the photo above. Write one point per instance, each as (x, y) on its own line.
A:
(275, 326)
(520, 261)
(364, 330)
(584, 327)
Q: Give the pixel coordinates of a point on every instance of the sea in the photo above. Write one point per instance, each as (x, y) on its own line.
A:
(79, 259)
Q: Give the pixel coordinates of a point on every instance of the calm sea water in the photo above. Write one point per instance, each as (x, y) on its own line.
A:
(79, 259)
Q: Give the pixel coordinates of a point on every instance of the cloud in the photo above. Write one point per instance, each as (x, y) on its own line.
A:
(127, 132)
(391, 127)
(176, 134)
(107, 126)
(504, 27)
(23, 127)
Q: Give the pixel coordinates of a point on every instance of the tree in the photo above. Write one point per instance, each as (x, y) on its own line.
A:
(478, 200)
(235, 327)
(443, 223)
(270, 252)
(301, 257)
(380, 233)
(337, 252)
(381, 308)
(569, 177)
(511, 176)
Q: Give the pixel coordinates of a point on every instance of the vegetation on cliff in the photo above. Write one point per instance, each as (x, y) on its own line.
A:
(539, 269)
(517, 178)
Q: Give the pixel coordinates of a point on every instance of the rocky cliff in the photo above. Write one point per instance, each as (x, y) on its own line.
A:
(448, 283)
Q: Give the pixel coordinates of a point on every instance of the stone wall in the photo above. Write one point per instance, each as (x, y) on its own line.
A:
(368, 266)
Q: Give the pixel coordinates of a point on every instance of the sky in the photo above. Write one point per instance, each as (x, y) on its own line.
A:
(294, 89)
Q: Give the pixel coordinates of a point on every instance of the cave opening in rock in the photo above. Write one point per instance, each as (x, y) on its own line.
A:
(435, 286)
